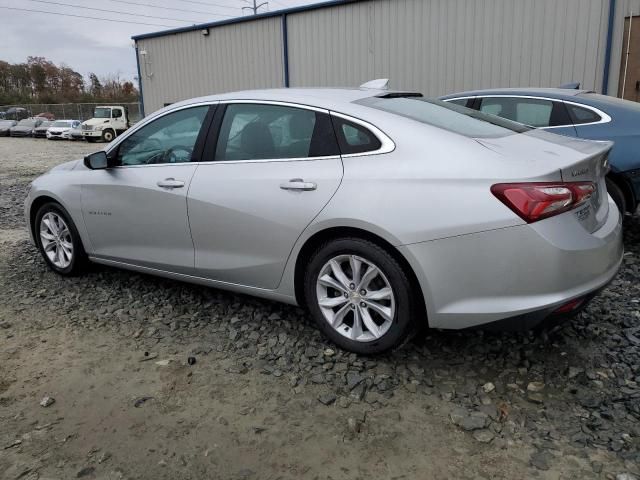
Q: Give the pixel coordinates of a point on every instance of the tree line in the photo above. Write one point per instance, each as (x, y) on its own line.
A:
(39, 80)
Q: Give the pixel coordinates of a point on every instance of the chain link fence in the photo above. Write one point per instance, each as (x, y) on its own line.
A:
(65, 111)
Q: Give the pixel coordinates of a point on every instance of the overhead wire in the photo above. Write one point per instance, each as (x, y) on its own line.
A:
(119, 12)
(128, 2)
(86, 16)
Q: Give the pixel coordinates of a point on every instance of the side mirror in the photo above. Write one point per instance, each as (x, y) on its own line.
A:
(97, 161)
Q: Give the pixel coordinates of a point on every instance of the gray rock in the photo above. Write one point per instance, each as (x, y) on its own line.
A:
(483, 436)
(475, 421)
(47, 401)
(535, 387)
(353, 380)
(327, 398)
(541, 459)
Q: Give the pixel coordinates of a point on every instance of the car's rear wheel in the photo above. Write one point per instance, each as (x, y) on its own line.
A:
(617, 195)
(58, 240)
(359, 296)
(108, 136)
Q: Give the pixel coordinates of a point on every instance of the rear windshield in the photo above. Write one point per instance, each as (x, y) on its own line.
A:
(454, 118)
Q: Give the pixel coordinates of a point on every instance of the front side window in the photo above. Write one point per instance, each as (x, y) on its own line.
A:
(102, 113)
(168, 139)
(261, 131)
(535, 112)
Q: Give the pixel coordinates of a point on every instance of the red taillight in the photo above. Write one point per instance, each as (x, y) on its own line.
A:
(570, 306)
(535, 201)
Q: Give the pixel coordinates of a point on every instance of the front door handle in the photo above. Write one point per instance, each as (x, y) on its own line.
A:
(298, 184)
(170, 183)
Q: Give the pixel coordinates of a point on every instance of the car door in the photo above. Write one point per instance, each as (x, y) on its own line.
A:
(535, 112)
(268, 170)
(136, 211)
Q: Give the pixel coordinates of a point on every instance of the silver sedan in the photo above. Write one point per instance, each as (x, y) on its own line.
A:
(379, 211)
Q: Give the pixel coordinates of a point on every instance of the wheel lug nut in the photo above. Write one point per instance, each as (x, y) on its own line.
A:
(363, 305)
(353, 306)
(363, 292)
(346, 295)
(352, 286)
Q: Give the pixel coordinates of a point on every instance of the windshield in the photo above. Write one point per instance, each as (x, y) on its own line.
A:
(6, 123)
(27, 123)
(102, 113)
(45, 124)
(454, 118)
(61, 123)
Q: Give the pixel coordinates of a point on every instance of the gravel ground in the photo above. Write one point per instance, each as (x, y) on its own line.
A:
(268, 397)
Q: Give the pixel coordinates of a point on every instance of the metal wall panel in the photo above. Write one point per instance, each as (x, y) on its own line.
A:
(232, 57)
(623, 9)
(442, 46)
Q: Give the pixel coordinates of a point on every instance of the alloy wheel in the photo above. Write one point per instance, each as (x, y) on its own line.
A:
(56, 240)
(355, 297)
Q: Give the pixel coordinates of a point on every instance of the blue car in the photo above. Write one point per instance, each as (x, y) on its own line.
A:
(577, 113)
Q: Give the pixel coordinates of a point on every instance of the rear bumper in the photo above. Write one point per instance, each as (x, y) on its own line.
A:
(518, 274)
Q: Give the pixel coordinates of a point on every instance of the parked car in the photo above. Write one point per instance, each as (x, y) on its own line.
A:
(575, 113)
(61, 129)
(376, 210)
(76, 133)
(41, 131)
(48, 115)
(5, 126)
(16, 113)
(25, 127)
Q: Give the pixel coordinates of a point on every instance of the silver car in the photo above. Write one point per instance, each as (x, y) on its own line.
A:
(379, 211)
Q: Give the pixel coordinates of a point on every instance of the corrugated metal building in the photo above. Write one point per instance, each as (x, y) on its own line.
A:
(432, 46)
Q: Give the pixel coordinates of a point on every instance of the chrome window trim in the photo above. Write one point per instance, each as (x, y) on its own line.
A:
(278, 103)
(386, 144)
(604, 118)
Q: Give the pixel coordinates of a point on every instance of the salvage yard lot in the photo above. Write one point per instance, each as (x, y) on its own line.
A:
(268, 397)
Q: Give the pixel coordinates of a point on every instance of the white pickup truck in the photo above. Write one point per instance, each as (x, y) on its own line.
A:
(107, 123)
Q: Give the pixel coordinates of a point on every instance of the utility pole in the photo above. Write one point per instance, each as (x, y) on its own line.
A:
(255, 7)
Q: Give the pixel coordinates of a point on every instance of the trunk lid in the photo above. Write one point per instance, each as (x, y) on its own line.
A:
(576, 160)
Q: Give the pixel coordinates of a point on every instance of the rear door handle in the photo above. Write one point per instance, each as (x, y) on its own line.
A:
(298, 184)
(170, 183)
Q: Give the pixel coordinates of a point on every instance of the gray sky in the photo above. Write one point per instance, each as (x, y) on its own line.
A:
(99, 46)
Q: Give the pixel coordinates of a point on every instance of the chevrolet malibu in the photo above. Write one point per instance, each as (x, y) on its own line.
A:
(378, 211)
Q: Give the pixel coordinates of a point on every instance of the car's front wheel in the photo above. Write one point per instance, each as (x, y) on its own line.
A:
(360, 296)
(58, 240)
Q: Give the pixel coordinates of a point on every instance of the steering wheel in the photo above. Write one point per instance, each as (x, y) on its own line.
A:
(170, 156)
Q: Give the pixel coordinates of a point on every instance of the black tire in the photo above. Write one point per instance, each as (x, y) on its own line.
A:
(617, 195)
(108, 136)
(79, 260)
(402, 325)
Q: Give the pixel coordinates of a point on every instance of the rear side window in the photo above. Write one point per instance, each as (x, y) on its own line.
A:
(580, 115)
(535, 112)
(463, 102)
(354, 138)
(261, 131)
